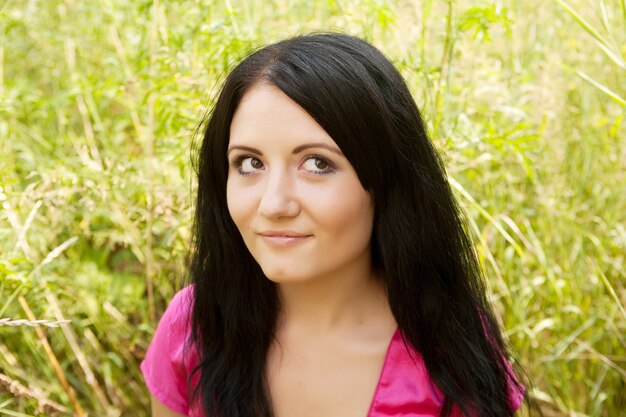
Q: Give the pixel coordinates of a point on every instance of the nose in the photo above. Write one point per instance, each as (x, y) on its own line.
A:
(279, 199)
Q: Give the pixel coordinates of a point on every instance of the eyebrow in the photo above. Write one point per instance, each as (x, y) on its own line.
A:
(296, 150)
(300, 148)
(243, 148)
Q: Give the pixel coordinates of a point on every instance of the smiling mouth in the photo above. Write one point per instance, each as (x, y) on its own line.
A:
(283, 239)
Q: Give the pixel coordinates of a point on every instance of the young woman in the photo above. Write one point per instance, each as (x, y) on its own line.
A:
(332, 274)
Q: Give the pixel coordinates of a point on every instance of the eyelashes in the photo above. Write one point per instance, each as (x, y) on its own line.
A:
(247, 164)
(317, 165)
(312, 164)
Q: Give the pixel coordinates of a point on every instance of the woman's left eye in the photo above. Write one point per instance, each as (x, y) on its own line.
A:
(318, 165)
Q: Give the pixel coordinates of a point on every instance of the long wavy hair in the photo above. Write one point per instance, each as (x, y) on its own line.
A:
(429, 268)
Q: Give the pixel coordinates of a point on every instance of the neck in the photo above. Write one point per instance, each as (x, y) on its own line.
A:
(341, 301)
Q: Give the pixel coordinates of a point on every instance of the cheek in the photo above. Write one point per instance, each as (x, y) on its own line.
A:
(350, 214)
(364, 218)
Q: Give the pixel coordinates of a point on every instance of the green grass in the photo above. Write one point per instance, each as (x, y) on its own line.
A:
(99, 105)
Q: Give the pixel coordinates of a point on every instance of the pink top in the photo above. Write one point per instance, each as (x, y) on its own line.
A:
(404, 386)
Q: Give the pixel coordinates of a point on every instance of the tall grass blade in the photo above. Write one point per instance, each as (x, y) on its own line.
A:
(43, 340)
(616, 97)
(607, 26)
(14, 413)
(54, 253)
(611, 290)
(600, 40)
(456, 185)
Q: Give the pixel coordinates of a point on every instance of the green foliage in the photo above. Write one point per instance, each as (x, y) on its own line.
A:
(99, 107)
(608, 45)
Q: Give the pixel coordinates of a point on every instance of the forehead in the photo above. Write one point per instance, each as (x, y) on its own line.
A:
(266, 116)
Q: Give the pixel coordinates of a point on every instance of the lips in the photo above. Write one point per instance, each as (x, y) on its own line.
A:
(283, 238)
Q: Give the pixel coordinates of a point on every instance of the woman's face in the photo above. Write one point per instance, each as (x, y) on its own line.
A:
(294, 197)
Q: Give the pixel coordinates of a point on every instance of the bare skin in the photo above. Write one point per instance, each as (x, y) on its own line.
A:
(160, 410)
(328, 360)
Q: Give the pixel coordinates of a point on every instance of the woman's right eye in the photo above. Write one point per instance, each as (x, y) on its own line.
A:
(248, 165)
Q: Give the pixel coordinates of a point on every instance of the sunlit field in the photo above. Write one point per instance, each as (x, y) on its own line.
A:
(100, 101)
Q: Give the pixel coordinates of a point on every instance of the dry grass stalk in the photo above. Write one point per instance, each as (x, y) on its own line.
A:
(35, 323)
(55, 362)
(45, 405)
(80, 355)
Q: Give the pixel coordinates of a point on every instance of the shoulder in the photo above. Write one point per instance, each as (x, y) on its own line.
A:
(179, 309)
(174, 329)
(170, 356)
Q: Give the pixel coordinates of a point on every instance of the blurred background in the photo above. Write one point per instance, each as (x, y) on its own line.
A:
(100, 101)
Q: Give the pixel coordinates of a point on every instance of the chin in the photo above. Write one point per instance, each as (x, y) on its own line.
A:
(284, 275)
